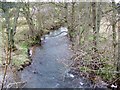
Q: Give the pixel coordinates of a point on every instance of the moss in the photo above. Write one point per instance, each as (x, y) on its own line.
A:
(107, 72)
(90, 38)
(0, 61)
(84, 68)
(20, 55)
(24, 45)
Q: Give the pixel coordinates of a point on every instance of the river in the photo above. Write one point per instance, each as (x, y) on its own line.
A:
(50, 64)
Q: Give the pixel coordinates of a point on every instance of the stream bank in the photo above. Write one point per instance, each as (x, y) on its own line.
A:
(50, 66)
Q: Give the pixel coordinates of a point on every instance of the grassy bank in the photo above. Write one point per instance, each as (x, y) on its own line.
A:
(23, 42)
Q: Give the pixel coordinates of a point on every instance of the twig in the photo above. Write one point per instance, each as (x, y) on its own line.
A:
(15, 83)
(5, 71)
(115, 80)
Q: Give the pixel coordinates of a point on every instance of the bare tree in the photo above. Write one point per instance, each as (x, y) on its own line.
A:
(114, 29)
(66, 12)
(10, 33)
(94, 26)
(27, 15)
(71, 27)
(118, 56)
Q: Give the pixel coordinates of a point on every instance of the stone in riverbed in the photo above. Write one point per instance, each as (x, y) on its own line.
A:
(20, 68)
(27, 63)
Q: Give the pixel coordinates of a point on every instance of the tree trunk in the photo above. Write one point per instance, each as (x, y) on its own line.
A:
(26, 12)
(98, 18)
(96, 12)
(87, 21)
(7, 44)
(71, 27)
(113, 30)
(13, 30)
(66, 12)
(94, 25)
(39, 17)
(118, 57)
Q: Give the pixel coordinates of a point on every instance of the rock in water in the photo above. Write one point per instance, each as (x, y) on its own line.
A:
(30, 52)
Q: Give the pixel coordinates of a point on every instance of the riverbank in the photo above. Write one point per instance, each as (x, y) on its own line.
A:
(51, 65)
(22, 62)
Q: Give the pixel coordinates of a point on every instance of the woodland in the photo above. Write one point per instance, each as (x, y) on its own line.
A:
(92, 37)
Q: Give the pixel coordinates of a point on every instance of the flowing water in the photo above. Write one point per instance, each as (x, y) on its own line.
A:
(49, 68)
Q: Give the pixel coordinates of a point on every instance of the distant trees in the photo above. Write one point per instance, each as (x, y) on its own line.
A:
(29, 19)
(96, 31)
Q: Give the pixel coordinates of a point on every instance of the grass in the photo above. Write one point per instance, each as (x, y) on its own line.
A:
(20, 55)
(22, 41)
(1, 48)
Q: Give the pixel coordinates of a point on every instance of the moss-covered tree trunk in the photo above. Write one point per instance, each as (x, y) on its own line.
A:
(66, 12)
(10, 31)
(118, 57)
(94, 26)
(96, 18)
(39, 17)
(27, 15)
(71, 27)
(13, 30)
(11, 25)
(7, 45)
(113, 30)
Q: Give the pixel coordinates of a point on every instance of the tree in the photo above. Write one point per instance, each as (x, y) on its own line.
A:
(10, 31)
(94, 26)
(96, 18)
(71, 27)
(27, 15)
(118, 57)
(66, 12)
(114, 29)
(10, 28)
(39, 17)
